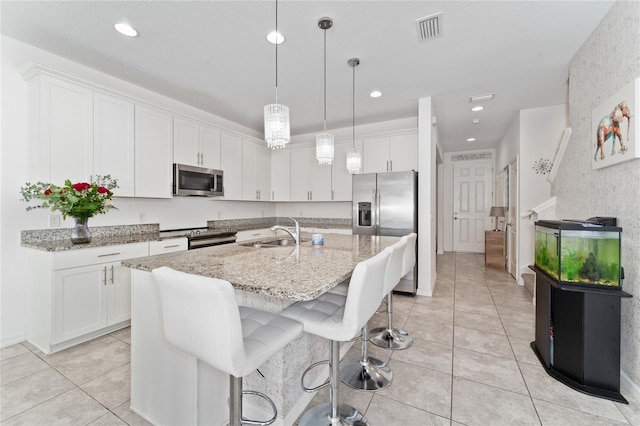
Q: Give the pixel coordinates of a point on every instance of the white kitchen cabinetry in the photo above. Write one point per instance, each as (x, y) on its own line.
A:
(281, 175)
(340, 177)
(77, 295)
(256, 169)
(113, 141)
(231, 165)
(167, 246)
(61, 129)
(392, 153)
(310, 181)
(195, 144)
(154, 153)
(254, 234)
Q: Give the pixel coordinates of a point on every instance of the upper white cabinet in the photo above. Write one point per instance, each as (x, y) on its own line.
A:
(256, 168)
(113, 141)
(340, 177)
(281, 175)
(309, 181)
(154, 153)
(195, 144)
(61, 129)
(391, 153)
(231, 165)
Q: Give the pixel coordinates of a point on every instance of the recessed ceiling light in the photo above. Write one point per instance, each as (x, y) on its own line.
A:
(480, 98)
(275, 38)
(375, 94)
(477, 108)
(125, 29)
(475, 120)
(471, 139)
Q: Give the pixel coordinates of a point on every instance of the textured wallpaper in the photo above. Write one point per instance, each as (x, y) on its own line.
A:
(607, 61)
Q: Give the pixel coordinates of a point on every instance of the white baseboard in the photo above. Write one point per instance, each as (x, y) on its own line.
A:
(13, 341)
(629, 386)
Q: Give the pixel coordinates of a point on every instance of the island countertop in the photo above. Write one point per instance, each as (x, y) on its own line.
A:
(288, 272)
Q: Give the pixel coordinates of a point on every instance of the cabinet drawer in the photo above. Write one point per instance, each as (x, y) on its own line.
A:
(254, 234)
(91, 256)
(167, 246)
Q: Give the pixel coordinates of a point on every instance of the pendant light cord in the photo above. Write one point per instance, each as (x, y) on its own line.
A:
(277, 42)
(325, 80)
(353, 109)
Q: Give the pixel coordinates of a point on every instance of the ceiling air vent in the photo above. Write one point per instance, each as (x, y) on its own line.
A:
(429, 26)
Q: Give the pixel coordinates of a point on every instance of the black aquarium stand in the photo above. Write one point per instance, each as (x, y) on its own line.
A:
(577, 336)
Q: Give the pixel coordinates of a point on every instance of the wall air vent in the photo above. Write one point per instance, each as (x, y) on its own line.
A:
(429, 26)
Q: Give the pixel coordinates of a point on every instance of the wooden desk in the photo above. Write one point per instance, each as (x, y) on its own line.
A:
(494, 254)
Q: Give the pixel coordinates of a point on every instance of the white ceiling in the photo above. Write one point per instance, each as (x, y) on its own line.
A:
(213, 55)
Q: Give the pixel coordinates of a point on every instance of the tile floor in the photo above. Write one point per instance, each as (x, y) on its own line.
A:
(470, 365)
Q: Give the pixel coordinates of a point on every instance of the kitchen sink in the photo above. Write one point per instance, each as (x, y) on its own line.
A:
(273, 243)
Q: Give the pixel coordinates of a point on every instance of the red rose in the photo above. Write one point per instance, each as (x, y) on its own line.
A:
(81, 186)
(103, 190)
(47, 192)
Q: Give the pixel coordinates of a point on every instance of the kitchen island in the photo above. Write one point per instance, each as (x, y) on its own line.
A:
(169, 387)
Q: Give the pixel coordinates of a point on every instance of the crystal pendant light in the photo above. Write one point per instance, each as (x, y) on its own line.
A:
(324, 140)
(354, 158)
(277, 131)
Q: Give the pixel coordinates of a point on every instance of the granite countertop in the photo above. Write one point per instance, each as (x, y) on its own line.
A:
(285, 272)
(59, 239)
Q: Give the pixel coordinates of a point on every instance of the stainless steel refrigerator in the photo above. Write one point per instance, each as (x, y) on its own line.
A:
(387, 204)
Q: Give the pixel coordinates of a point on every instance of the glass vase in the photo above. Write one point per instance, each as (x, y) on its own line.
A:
(81, 234)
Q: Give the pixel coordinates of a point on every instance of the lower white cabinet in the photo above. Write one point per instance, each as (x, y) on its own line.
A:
(89, 298)
(76, 295)
(254, 234)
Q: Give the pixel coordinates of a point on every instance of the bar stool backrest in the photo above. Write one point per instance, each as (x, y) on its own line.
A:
(409, 258)
(363, 297)
(394, 268)
(201, 317)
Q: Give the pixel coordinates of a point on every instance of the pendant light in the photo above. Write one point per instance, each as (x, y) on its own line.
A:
(324, 140)
(277, 131)
(354, 157)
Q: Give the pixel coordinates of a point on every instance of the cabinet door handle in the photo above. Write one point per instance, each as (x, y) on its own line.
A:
(332, 195)
(390, 165)
(108, 254)
(172, 246)
(259, 195)
(112, 274)
(310, 195)
(104, 281)
(273, 196)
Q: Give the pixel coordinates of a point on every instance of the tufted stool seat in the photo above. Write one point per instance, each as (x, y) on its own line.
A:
(339, 318)
(201, 317)
(389, 337)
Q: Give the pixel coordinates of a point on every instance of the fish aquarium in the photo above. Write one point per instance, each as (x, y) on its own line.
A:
(580, 253)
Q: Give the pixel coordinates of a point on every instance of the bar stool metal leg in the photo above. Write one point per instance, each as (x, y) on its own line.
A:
(389, 337)
(333, 413)
(365, 373)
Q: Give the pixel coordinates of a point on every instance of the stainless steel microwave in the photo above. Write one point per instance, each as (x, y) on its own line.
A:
(191, 180)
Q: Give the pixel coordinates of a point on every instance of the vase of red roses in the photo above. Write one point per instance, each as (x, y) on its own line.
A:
(80, 201)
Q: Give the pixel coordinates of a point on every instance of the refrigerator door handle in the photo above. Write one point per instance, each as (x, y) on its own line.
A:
(377, 212)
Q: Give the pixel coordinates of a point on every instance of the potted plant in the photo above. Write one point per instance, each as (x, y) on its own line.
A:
(80, 201)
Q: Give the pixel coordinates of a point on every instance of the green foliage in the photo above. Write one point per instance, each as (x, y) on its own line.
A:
(80, 200)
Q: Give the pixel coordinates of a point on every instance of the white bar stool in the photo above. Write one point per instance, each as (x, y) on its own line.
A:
(338, 318)
(389, 337)
(368, 373)
(202, 318)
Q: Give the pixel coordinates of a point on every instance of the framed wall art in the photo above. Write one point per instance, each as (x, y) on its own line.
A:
(614, 128)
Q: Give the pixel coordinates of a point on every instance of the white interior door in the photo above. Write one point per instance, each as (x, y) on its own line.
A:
(472, 197)
(512, 222)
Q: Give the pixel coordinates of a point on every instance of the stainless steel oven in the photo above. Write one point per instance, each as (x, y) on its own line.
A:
(199, 181)
(202, 237)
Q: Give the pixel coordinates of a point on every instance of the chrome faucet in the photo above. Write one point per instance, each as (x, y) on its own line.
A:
(295, 234)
